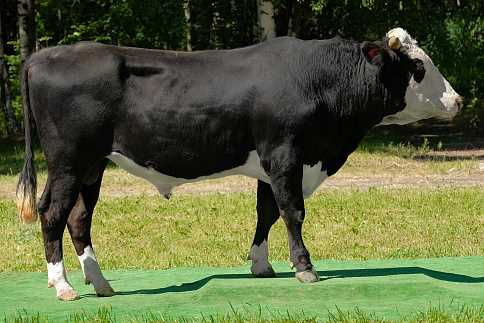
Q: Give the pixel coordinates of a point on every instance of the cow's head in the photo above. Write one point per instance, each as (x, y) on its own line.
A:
(396, 69)
(433, 97)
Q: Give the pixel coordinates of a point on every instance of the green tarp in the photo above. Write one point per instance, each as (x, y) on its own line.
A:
(389, 288)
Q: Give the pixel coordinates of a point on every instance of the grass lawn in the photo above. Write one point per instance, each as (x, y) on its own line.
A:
(217, 229)
(434, 314)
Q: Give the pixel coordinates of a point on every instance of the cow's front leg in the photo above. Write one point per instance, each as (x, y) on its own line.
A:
(267, 215)
(286, 173)
(60, 197)
(79, 225)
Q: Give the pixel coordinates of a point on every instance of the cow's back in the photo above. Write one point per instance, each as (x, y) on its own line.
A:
(184, 114)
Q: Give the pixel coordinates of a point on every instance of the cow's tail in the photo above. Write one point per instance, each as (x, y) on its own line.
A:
(27, 183)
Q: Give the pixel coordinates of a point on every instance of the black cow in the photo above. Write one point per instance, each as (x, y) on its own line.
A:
(287, 112)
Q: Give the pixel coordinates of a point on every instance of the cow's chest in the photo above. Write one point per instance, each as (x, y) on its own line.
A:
(312, 176)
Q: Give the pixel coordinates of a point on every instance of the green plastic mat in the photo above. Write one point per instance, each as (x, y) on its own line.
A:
(389, 288)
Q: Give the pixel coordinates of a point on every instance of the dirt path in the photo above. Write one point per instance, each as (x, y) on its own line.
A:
(243, 184)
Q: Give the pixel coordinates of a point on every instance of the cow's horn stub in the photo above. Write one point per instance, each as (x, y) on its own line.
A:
(394, 43)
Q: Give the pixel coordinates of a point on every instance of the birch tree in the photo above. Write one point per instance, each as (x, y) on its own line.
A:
(26, 23)
(267, 25)
(188, 24)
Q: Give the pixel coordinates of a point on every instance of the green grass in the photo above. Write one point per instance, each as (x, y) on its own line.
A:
(217, 229)
(434, 314)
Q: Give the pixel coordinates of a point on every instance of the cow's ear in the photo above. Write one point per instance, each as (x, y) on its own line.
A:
(372, 52)
(418, 70)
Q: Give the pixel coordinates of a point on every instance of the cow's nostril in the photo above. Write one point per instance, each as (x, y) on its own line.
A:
(459, 103)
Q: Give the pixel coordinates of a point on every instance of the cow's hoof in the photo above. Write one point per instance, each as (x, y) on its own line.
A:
(267, 272)
(67, 295)
(105, 291)
(307, 276)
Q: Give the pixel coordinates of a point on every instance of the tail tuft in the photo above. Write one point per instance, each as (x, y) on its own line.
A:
(27, 183)
(26, 194)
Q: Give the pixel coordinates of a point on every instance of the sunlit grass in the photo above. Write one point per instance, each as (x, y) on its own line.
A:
(217, 229)
(434, 314)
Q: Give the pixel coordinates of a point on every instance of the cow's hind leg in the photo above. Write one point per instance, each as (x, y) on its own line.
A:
(79, 225)
(267, 215)
(57, 202)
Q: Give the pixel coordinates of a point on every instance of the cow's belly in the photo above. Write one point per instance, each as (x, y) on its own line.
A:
(312, 176)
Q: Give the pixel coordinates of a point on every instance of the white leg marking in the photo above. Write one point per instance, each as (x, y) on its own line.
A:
(260, 262)
(57, 278)
(92, 273)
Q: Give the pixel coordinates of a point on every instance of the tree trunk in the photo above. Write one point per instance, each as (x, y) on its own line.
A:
(26, 23)
(5, 98)
(290, 19)
(267, 25)
(186, 8)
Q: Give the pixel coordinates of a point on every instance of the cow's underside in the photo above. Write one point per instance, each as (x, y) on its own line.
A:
(313, 176)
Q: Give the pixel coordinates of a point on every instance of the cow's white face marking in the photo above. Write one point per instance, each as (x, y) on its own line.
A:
(434, 97)
(57, 278)
(312, 176)
(92, 273)
(260, 259)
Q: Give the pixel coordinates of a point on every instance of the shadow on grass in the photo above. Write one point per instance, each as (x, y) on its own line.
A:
(445, 158)
(329, 274)
(418, 140)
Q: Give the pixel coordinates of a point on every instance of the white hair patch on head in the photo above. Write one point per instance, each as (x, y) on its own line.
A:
(402, 35)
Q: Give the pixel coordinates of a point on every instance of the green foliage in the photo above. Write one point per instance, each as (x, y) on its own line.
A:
(13, 63)
(156, 24)
(223, 24)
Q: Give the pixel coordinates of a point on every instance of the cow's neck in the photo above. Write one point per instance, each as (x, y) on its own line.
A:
(340, 129)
